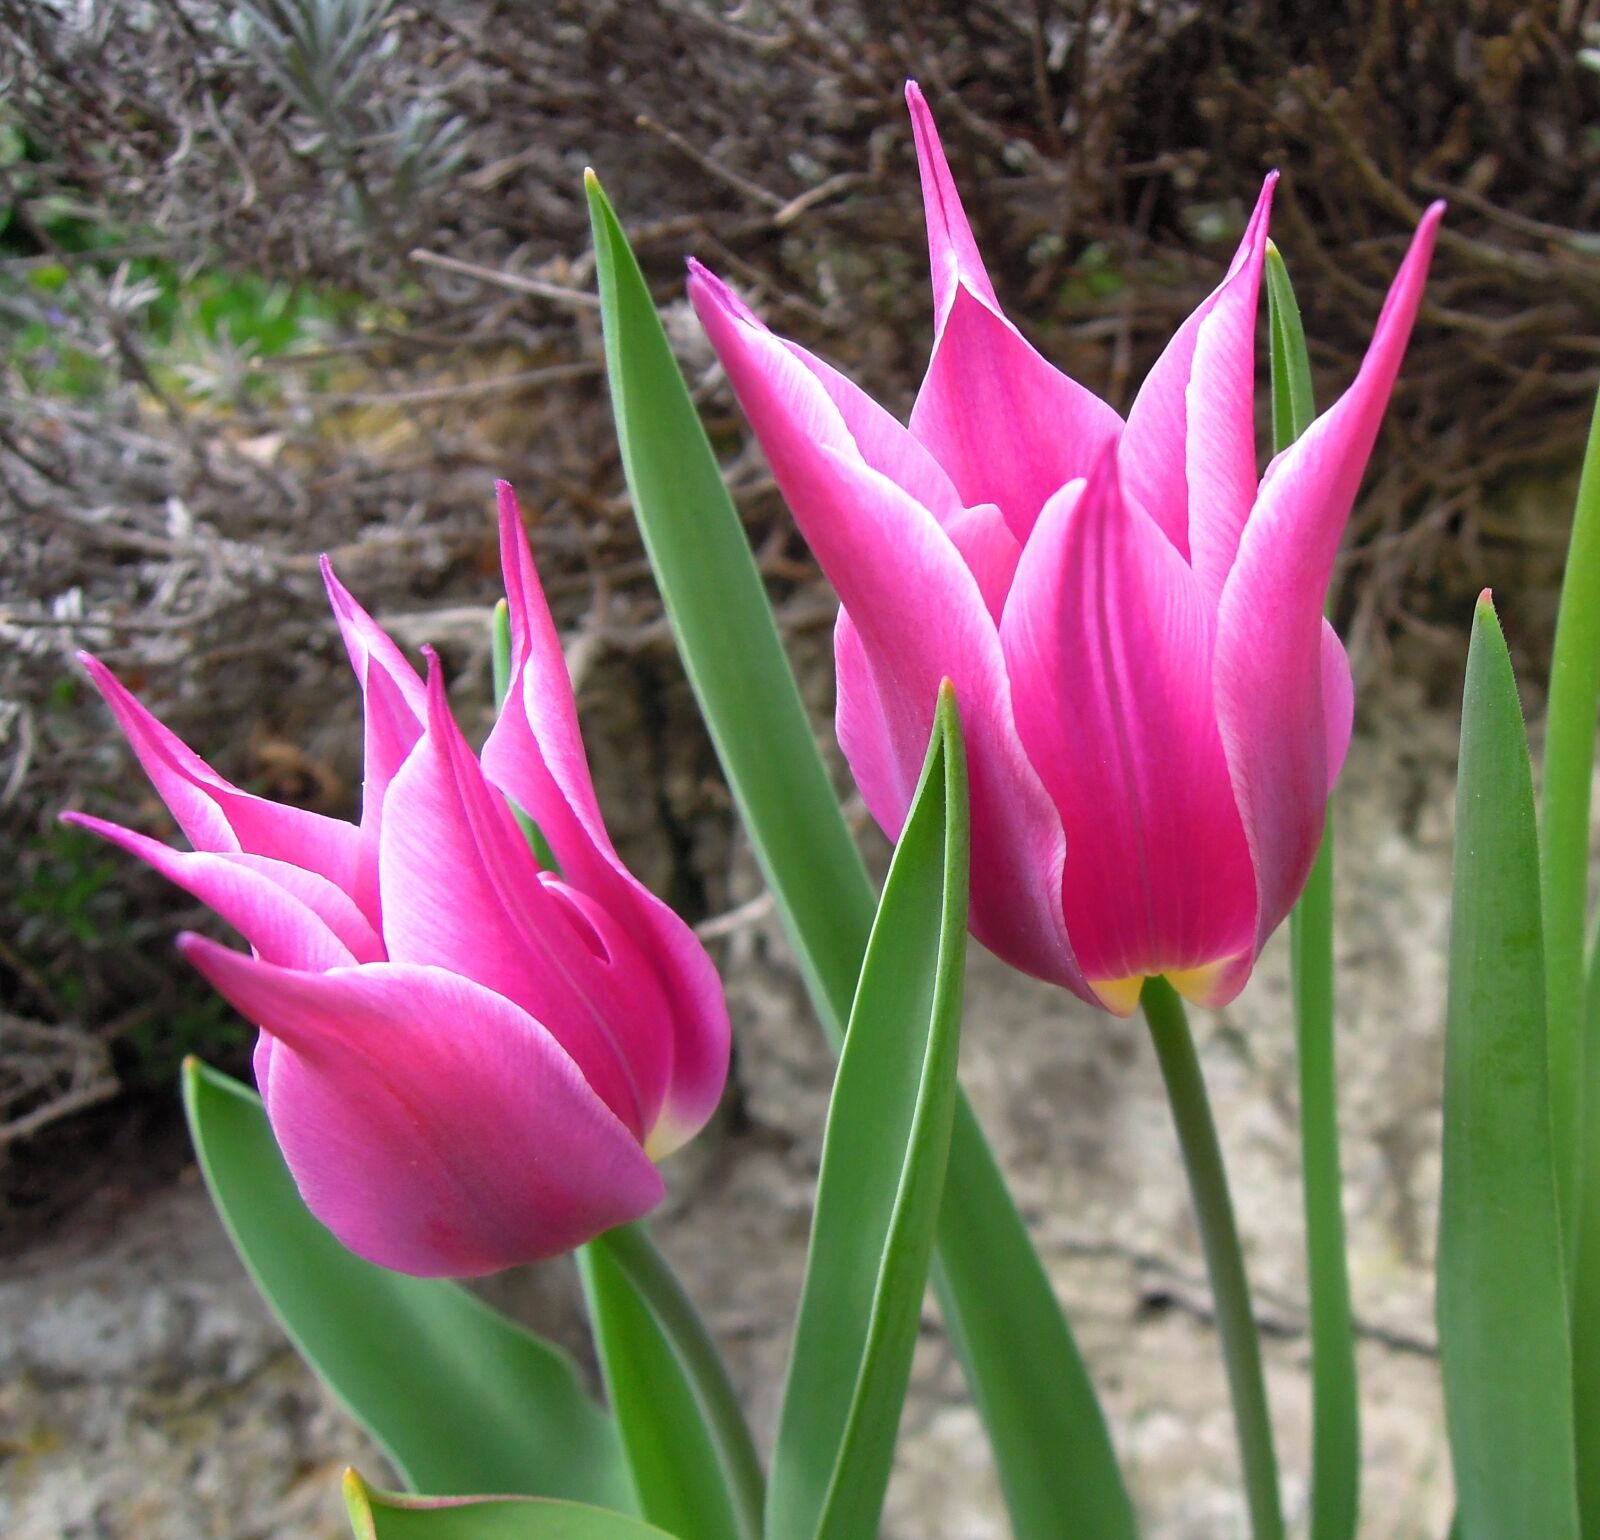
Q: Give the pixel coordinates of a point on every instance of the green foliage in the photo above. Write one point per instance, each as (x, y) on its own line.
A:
(378, 1515)
(1504, 1342)
(1335, 1397)
(883, 1165)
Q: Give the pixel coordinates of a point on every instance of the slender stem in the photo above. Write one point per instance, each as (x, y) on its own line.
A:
(652, 1277)
(1219, 1236)
(1564, 830)
(1335, 1403)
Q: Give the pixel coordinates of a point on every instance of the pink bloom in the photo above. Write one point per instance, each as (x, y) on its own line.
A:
(468, 1062)
(1155, 709)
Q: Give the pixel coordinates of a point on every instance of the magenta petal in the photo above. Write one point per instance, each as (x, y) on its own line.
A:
(1338, 700)
(289, 915)
(919, 616)
(370, 646)
(431, 1124)
(1278, 730)
(1108, 643)
(990, 551)
(884, 442)
(535, 756)
(1007, 426)
(952, 252)
(215, 814)
(1188, 455)
(462, 891)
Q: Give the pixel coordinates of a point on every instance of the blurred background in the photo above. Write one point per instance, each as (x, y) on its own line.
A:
(280, 277)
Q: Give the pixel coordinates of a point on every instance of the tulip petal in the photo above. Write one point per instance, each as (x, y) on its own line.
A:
(215, 814)
(1338, 700)
(990, 551)
(1278, 730)
(917, 613)
(952, 252)
(884, 442)
(395, 705)
(462, 891)
(535, 756)
(1189, 453)
(1007, 426)
(391, 730)
(370, 646)
(1108, 643)
(432, 1125)
(290, 916)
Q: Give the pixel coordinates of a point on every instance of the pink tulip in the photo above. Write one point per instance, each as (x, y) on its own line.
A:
(467, 1061)
(1155, 709)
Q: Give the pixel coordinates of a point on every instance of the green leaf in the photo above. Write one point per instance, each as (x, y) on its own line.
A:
(1335, 1396)
(460, 1398)
(1586, 1289)
(694, 1467)
(1051, 1443)
(1564, 842)
(1293, 400)
(1503, 1335)
(376, 1515)
(883, 1163)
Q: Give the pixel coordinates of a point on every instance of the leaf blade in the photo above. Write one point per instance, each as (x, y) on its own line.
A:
(1504, 1342)
(376, 1515)
(884, 1154)
(694, 1467)
(1335, 1394)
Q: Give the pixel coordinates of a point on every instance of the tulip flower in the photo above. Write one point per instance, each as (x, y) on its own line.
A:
(468, 1062)
(1155, 709)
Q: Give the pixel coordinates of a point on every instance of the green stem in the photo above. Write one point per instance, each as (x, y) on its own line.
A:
(1335, 1402)
(1564, 829)
(1219, 1236)
(632, 1250)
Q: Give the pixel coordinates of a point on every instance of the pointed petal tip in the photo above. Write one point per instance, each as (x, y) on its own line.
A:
(508, 511)
(97, 671)
(191, 946)
(703, 280)
(914, 97)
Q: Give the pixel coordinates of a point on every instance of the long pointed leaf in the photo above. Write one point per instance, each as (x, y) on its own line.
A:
(1574, 1031)
(1564, 843)
(1503, 1335)
(1335, 1402)
(883, 1164)
(376, 1515)
(1586, 1286)
(460, 1398)
(1051, 1443)
(694, 1467)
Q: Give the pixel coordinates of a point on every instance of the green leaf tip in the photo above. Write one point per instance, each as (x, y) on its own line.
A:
(358, 1504)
